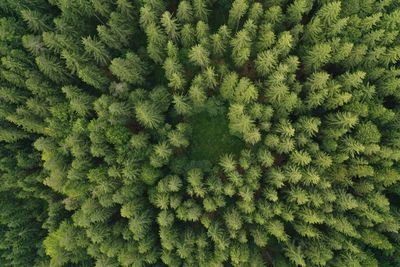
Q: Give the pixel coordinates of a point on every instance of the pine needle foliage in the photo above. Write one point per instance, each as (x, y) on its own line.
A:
(199, 133)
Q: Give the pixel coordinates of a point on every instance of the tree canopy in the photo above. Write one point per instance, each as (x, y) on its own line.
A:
(199, 133)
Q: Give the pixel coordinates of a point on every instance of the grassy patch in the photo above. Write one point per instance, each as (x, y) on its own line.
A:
(211, 138)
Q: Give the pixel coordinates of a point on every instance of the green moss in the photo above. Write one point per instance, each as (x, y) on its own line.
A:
(211, 139)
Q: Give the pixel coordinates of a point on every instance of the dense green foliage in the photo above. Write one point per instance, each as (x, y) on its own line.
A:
(199, 133)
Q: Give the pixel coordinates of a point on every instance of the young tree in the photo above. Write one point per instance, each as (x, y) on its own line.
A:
(199, 56)
(265, 62)
(36, 21)
(170, 25)
(97, 50)
(185, 12)
(130, 69)
(237, 11)
(148, 114)
(241, 48)
(52, 68)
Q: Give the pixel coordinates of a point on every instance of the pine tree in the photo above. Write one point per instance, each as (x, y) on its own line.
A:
(185, 12)
(130, 69)
(97, 50)
(199, 56)
(36, 21)
(148, 114)
(237, 11)
(241, 47)
(52, 68)
(200, 9)
(93, 76)
(170, 25)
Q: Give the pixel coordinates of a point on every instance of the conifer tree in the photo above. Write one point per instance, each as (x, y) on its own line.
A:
(199, 133)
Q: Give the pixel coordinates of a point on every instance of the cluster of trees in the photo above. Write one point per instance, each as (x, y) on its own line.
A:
(99, 105)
